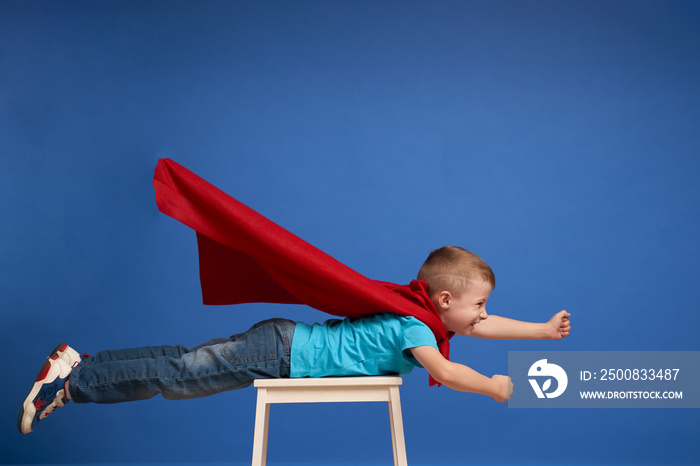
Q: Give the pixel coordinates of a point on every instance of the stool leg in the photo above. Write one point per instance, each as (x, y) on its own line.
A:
(262, 421)
(397, 438)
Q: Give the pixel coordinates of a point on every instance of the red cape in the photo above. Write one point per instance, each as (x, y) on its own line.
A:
(246, 258)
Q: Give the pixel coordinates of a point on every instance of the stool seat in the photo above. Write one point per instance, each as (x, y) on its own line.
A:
(328, 390)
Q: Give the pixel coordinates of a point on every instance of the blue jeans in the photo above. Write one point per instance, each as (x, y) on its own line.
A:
(178, 372)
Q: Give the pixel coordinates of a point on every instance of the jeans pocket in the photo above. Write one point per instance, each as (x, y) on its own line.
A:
(256, 345)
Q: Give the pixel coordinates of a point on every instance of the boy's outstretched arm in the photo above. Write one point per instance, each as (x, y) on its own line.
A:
(502, 328)
(460, 377)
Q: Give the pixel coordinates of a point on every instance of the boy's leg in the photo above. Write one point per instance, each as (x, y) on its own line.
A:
(146, 352)
(178, 373)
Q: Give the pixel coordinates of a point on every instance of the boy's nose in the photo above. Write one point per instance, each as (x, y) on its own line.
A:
(484, 315)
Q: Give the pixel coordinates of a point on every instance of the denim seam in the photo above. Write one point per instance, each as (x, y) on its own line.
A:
(285, 340)
(286, 362)
(203, 376)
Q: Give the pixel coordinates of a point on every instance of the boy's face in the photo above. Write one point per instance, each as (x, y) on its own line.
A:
(460, 315)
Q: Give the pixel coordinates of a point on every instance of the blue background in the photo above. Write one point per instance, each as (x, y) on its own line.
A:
(557, 139)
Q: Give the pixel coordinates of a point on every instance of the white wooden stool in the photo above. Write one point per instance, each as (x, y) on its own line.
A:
(327, 390)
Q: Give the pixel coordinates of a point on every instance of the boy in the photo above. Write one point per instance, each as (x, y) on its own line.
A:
(458, 282)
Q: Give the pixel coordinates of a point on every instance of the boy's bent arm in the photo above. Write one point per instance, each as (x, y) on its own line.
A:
(502, 328)
(460, 377)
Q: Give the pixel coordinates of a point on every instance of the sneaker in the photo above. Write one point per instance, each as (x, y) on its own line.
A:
(50, 390)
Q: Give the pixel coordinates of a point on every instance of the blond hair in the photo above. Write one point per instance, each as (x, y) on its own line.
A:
(453, 268)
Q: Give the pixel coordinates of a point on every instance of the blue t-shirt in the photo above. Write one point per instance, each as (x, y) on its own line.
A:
(376, 344)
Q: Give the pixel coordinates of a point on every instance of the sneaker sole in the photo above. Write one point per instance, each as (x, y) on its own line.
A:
(28, 410)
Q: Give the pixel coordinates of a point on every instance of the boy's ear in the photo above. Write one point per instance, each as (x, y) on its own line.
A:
(444, 299)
